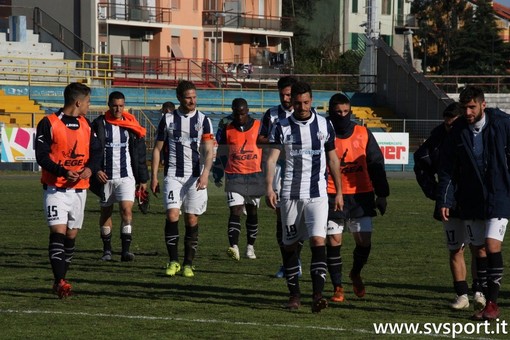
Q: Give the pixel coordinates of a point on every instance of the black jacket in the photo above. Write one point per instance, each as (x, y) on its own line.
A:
(137, 151)
(426, 165)
(481, 194)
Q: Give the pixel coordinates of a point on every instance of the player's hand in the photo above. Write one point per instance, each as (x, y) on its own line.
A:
(339, 202)
(202, 182)
(445, 214)
(72, 176)
(102, 177)
(155, 187)
(271, 199)
(380, 204)
(85, 173)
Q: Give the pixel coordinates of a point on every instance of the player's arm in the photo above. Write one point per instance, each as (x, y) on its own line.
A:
(265, 127)
(221, 158)
(272, 157)
(95, 156)
(142, 173)
(43, 149)
(334, 166)
(334, 170)
(377, 173)
(156, 152)
(446, 168)
(208, 150)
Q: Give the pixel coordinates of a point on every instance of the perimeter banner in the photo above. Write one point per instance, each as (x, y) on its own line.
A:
(394, 146)
(18, 145)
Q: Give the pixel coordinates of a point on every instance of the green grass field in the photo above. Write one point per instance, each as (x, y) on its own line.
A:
(407, 278)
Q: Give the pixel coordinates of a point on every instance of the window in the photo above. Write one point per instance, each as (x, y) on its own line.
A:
(195, 5)
(195, 48)
(211, 5)
(386, 7)
(176, 4)
(354, 6)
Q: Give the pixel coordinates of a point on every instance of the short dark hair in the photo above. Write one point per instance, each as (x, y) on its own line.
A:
(115, 95)
(286, 82)
(338, 98)
(75, 91)
(168, 106)
(183, 86)
(471, 93)
(300, 88)
(452, 110)
(239, 102)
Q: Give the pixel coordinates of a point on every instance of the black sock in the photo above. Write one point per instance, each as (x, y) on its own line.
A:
(190, 244)
(461, 287)
(476, 286)
(494, 275)
(279, 238)
(252, 227)
(318, 269)
(335, 265)
(360, 257)
(172, 239)
(56, 253)
(234, 229)
(69, 251)
(126, 242)
(107, 242)
(290, 262)
(481, 272)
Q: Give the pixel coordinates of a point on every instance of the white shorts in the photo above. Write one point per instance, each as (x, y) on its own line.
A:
(118, 190)
(303, 218)
(456, 233)
(234, 198)
(354, 225)
(479, 230)
(182, 191)
(64, 206)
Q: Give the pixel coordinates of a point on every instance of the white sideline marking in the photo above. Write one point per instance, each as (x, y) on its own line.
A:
(166, 318)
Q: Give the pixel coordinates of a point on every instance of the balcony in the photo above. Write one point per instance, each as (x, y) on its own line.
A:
(243, 20)
(149, 14)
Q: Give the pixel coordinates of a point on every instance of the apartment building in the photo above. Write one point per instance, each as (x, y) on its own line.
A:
(344, 23)
(223, 31)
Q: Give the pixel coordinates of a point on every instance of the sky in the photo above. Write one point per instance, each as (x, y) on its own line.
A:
(503, 2)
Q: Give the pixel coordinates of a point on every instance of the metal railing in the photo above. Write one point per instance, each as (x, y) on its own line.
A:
(147, 70)
(40, 71)
(44, 22)
(244, 20)
(116, 11)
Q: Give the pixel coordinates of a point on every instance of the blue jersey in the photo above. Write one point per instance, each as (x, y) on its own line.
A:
(271, 116)
(305, 144)
(117, 159)
(184, 133)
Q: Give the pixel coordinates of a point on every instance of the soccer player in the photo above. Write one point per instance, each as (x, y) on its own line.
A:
(241, 158)
(64, 146)
(123, 166)
(426, 164)
(270, 117)
(307, 143)
(167, 107)
(364, 188)
(189, 136)
(474, 161)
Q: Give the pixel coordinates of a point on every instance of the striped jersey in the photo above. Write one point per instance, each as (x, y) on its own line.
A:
(305, 144)
(117, 159)
(183, 134)
(272, 116)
